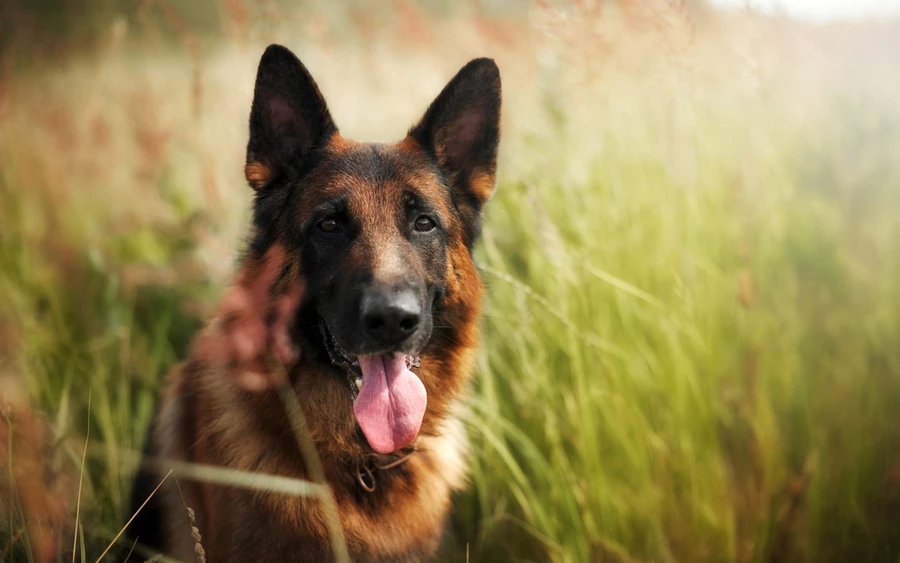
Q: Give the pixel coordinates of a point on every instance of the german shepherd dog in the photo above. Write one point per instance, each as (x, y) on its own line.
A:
(359, 280)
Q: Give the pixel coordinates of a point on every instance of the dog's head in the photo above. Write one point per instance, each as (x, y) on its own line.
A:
(378, 230)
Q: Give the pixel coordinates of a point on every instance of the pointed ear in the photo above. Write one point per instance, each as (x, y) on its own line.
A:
(288, 119)
(462, 129)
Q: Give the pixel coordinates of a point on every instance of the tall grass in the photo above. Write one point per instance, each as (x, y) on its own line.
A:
(691, 258)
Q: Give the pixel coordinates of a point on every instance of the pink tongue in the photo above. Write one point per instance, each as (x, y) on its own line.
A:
(391, 404)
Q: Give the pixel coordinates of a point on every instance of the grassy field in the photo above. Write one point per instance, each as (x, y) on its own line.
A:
(693, 262)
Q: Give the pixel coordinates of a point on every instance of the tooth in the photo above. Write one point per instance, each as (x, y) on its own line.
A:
(358, 382)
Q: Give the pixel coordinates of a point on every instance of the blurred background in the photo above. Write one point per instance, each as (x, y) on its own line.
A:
(692, 258)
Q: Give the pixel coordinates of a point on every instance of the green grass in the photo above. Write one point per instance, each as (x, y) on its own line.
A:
(693, 310)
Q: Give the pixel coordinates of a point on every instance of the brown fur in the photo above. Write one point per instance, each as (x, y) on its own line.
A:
(257, 174)
(222, 405)
(219, 423)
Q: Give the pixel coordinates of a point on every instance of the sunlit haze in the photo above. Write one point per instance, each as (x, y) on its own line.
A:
(821, 9)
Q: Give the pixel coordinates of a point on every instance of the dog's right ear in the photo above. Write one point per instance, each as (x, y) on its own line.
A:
(288, 119)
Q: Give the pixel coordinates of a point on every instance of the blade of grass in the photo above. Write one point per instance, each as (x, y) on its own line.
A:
(87, 439)
(312, 461)
(136, 512)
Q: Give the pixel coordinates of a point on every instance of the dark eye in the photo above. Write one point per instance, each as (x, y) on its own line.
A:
(424, 224)
(330, 225)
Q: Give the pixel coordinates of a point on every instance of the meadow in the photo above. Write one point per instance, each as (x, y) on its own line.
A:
(692, 261)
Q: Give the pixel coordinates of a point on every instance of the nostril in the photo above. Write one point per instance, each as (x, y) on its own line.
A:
(409, 322)
(374, 323)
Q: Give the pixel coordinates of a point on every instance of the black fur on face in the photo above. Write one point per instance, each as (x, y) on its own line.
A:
(372, 225)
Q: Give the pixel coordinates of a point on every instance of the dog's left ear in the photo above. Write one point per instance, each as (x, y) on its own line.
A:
(288, 119)
(462, 129)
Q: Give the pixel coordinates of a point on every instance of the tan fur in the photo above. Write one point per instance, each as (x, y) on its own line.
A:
(257, 174)
(438, 466)
(482, 185)
(222, 406)
(209, 418)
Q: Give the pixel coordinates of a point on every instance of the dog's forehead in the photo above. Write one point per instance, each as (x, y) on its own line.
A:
(376, 173)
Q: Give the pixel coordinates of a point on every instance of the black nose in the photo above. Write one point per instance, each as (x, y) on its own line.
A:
(390, 316)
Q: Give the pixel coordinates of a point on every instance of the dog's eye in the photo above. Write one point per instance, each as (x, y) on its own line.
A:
(424, 224)
(330, 225)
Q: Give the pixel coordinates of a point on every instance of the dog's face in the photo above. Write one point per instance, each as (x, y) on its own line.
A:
(373, 226)
(376, 232)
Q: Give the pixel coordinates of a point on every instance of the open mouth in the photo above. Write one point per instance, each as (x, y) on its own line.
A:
(389, 400)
